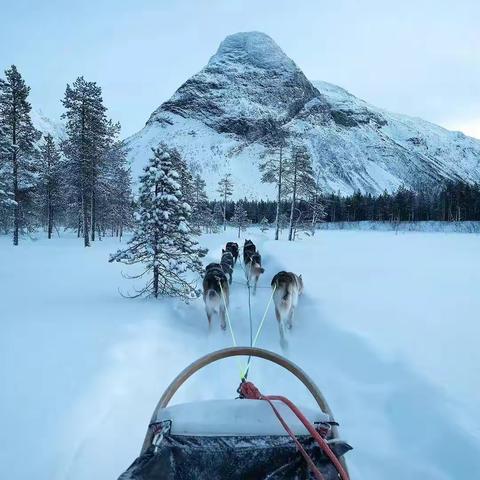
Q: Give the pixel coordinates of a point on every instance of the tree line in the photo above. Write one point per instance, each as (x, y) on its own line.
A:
(453, 201)
(81, 182)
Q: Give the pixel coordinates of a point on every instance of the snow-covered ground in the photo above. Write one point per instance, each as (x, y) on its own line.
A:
(388, 328)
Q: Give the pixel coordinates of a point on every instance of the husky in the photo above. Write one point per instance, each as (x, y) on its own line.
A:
(232, 247)
(288, 287)
(213, 266)
(227, 264)
(249, 249)
(253, 270)
(214, 283)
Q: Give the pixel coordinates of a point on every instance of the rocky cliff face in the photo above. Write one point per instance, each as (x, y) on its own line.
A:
(223, 118)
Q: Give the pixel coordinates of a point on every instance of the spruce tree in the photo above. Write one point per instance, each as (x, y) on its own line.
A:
(225, 189)
(163, 240)
(264, 225)
(19, 137)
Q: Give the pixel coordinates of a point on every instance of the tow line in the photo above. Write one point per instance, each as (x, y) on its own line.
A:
(250, 391)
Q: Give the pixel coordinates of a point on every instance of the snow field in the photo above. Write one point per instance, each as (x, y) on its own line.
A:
(388, 328)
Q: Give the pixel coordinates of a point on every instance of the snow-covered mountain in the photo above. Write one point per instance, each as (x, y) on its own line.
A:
(47, 126)
(222, 119)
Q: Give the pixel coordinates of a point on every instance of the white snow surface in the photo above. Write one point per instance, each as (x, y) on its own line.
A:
(388, 328)
(221, 118)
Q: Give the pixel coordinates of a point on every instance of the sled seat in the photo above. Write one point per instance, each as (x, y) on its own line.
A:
(234, 418)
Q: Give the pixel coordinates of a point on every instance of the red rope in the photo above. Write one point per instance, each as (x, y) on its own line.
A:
(250, 391)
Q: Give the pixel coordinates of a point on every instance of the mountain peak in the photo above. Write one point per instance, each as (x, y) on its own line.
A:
(254, 48)
(224, 118)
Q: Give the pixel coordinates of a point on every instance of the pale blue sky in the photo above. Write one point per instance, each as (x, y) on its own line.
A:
(420, 57)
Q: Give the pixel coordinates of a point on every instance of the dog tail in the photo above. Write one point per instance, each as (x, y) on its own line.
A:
(282, 293)
(212, 294)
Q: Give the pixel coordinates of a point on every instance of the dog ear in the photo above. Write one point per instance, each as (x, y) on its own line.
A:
(300, 276)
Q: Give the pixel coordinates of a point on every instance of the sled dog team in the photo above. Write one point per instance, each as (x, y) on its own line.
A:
(218, 277)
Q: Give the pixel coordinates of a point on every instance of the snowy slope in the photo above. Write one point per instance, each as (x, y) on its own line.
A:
(47, 126)
(223, 117)
(390, 339)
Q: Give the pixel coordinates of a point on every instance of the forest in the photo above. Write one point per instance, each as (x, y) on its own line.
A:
(82, 182)
(452, 201)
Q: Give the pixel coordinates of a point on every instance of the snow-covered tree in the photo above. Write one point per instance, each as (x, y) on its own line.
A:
(19, 137)
(163, 241)
(49, 183)
(299, 179)
(225, 189)
(264, 225)
(240, 218)
(90, 136)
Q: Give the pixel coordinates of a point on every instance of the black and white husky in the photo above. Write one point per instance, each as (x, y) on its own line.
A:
(227, 264)
(288, 287)
(253, 270)
(215, 293)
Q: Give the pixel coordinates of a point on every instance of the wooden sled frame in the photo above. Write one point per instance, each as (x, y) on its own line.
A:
(194, 367)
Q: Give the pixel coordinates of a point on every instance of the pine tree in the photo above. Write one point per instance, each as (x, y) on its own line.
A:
(162, 240)
(240, 218)
(273, 170)
(298, 177)
(225, 189)
(49, 178)
(90, 136)
(19, 141)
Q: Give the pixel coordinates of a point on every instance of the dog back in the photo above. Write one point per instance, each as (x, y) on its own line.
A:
(287, 282)
(232, 247)
(212, 281)
(249, 249)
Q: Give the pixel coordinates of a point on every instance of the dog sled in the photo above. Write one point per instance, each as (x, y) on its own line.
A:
(253, 437)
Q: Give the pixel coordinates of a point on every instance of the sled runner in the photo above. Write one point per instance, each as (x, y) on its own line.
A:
(253, 437)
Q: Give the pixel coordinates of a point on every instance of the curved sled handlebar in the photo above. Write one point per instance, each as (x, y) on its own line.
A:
(183, 376)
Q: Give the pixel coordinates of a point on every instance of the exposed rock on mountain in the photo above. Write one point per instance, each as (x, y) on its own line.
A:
(223, 119)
